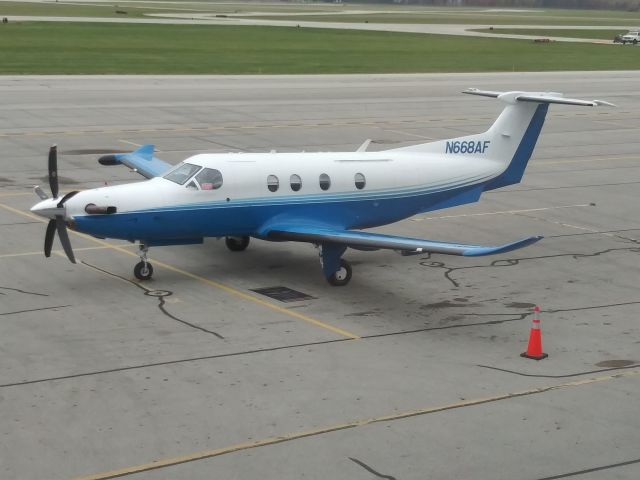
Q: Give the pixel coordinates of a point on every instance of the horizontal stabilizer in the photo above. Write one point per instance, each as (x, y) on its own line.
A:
(364, 146)
(141, 161)
(536, 97)
(371, 241)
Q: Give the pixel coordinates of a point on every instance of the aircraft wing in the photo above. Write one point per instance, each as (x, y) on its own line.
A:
(140, 160)
(373, 241)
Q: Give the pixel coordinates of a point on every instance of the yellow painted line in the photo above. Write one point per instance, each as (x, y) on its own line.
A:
(60, 252)
(168, 462)
(501, 212)
(130, 143)
(221, 286)
(16, 194)
(587, 160)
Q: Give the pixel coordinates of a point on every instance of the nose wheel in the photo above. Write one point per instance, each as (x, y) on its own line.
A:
(143, 270)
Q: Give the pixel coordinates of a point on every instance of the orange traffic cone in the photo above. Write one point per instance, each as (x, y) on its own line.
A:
(534, 349)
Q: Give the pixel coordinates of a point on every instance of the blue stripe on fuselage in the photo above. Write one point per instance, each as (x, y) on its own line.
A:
(231, 218)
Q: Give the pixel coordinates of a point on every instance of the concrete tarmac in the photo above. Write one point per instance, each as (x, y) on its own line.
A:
(412, 371)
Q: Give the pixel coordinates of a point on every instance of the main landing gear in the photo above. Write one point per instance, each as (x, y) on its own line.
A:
(237, 244)
(342, 276)
(143, 270)
(336, 269)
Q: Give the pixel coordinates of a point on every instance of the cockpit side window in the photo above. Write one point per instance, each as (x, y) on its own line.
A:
(182, 173)
(209, 179)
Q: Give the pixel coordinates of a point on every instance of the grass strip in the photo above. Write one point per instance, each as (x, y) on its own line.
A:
(82, 48)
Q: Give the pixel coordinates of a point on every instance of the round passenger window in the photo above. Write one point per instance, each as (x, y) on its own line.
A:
(360, 181)
(325, 181)
(209, 179)
(296, 183)
(272, 183)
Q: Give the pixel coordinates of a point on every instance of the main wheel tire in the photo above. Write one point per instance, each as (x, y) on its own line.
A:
(143, 271)
(342, 276)
(237, 244)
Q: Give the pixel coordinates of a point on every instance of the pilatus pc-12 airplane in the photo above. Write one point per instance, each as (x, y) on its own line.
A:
(325, 199)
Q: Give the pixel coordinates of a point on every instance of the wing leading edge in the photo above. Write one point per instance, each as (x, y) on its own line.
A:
(373, 241)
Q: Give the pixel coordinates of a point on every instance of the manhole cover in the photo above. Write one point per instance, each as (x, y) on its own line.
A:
(283, 294)
(158, 293)
(615, 363)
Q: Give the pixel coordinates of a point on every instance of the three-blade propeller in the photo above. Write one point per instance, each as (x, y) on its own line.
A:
(57, 223)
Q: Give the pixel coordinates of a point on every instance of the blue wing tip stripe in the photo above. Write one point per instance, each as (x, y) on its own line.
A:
(507, 247)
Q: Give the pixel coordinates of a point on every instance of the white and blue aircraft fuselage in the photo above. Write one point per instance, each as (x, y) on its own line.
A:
(322, 198)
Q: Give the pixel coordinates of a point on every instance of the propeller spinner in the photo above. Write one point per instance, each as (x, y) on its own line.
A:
(53, 208)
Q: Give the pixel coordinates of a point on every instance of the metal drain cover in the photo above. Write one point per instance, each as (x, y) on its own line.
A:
(283, 294)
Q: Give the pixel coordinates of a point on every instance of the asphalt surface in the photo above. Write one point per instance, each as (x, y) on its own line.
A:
(412, 371)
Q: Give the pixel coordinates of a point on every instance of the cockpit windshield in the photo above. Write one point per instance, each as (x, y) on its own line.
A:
(181, 173)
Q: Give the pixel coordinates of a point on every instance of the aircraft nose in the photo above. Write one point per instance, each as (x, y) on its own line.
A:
(47, 208)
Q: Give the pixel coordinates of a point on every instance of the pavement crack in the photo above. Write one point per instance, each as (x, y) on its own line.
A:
(159, 294)
(597, 232)
(23, 291)
(568, 375)
(34, 310)
(17, 223)
(591, 307)
(511, 262)
(591, 470)
(371, 470)
(563, 187)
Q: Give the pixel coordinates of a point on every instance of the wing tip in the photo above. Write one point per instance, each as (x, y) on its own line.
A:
(507, 247)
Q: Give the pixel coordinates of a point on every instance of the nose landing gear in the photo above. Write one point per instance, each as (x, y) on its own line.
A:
(143, 270)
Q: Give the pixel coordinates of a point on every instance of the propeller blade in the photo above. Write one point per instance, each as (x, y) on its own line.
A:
(40, 192)
(65, 198)
(48, 238)
(64, 238)
(53, 170)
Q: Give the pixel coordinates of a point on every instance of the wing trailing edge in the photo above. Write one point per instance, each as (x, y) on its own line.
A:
(373, 241)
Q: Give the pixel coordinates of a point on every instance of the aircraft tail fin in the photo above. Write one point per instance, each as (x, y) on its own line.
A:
(512, 137)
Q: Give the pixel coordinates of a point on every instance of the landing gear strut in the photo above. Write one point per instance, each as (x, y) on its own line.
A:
(336, 270)
(237, 244)
(143, 270)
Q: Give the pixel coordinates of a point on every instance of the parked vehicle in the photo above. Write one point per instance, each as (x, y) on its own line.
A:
(631, 37)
